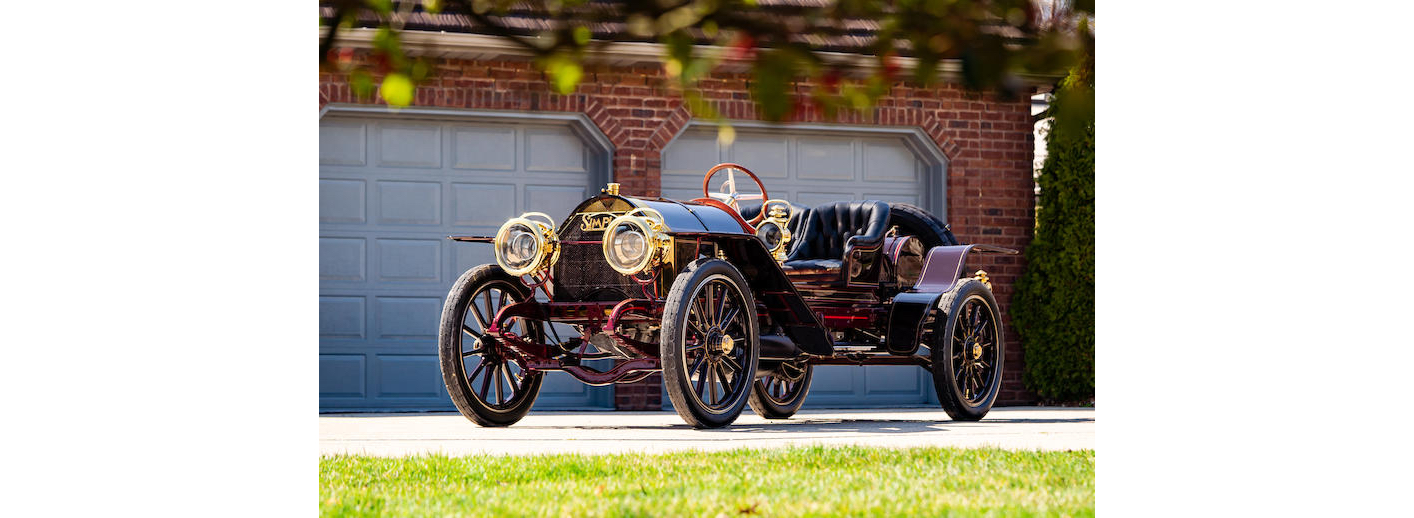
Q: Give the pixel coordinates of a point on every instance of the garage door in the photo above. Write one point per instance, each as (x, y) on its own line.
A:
(815, 165)
(391, 188)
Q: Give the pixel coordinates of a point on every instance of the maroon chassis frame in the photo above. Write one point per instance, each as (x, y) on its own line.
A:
(840, 309)
(597, 317)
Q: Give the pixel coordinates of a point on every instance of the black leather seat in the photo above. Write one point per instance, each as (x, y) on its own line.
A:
(821, 234)
(824, 233)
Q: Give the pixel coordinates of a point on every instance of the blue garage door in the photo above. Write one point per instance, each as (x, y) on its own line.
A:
(816, 164)
(391, 188)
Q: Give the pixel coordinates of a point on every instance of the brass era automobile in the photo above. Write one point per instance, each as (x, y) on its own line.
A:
(733, 297)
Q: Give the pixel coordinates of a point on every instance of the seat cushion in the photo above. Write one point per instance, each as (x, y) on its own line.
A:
(828, 227)
(813, 266)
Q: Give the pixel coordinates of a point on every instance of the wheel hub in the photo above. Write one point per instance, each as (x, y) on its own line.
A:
(719, 342)
(976, 351)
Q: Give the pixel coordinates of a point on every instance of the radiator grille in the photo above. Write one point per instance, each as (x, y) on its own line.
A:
(582, 274)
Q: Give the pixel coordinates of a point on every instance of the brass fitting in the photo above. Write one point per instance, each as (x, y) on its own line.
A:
(777, 214)
(981, 275)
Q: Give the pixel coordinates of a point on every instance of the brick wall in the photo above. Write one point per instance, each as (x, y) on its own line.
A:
(989, 145)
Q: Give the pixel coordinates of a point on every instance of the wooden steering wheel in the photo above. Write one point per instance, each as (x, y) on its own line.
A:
(729, 194)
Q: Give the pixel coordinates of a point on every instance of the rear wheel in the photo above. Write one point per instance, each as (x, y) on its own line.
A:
(912, 220)
(709, 343)
(967, 358)
(488, 383)
(778, 395)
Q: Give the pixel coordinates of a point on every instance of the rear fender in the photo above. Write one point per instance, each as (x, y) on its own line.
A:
(911, 310)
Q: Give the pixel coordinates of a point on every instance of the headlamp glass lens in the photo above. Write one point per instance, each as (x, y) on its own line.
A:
(630, 245)
(520, 248)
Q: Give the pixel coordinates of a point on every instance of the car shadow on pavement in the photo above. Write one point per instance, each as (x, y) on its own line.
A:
(870, 425)
(830, 425)
(836, 425)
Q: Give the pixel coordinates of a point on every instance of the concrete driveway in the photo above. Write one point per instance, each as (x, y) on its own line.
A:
(615, 432)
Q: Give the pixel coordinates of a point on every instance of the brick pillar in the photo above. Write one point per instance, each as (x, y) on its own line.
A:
(643, 395)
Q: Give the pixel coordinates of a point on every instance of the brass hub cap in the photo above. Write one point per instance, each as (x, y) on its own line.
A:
(720, 343)
(976, 351)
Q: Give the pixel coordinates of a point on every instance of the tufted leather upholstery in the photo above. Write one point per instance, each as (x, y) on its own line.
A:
(829, 228)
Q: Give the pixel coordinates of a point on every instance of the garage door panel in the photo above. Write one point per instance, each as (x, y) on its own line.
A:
(888, 162)
(768, 157)
(682, 193)
(409, 203)
(553, 200)
(401, 318)
(811, 199)
(484, 147)
(341, 376)
(894, 380)
(341, 201)
(423, 180)
(342, 259)
(409, 260)
(855, 387)
(483, 204)
(341, 317)
(893, 198)
(409, 145)
(554, 149)
(693, 152)
(470, 256)
(824, 158)
(409, 376)
(834, 381)
(342, 143)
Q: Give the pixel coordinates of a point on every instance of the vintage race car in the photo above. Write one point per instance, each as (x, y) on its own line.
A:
(733, 297)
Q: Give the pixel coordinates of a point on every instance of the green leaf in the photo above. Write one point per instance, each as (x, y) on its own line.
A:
(420, 70)
(726, 134)
(382, 6)
(774, 72)
(397, 89)
(565, 73)
(581, 35)
(361, 83)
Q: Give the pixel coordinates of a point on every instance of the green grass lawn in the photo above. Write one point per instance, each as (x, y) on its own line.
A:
(814, 481)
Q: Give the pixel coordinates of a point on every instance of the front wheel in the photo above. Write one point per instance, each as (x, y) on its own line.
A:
(488, 383)
(967, 358)
(709, 343)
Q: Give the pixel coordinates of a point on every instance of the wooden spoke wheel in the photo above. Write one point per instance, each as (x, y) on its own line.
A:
(778, 395)
(967, 364)
(709, 343)
(488, 383)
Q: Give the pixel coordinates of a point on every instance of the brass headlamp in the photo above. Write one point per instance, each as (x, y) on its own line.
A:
(772, 230)
(637, 241)
(525, 245)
